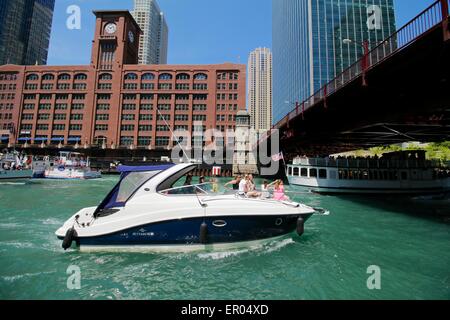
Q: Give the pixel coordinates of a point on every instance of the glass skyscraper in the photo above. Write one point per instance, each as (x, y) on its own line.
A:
(25, 31)
(308, 47)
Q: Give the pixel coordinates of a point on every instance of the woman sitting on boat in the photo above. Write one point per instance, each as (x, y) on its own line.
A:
(278, 193)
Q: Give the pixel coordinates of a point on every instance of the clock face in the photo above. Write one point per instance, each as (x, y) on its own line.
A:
(111, 28)
(131, 36)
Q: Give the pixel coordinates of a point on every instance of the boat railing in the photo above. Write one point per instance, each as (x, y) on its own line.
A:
(368, 163)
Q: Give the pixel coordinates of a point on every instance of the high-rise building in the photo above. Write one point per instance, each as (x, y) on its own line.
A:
(260, 89)
(154, 40)
(25, 31)
(308, 43)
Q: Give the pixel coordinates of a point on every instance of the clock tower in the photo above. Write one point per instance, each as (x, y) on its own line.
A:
(116, 40)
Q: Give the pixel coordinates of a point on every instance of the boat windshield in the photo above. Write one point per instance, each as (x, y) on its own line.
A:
(131, 183)
(198, 189)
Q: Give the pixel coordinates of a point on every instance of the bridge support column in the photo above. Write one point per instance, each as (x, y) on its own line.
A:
(445, 16)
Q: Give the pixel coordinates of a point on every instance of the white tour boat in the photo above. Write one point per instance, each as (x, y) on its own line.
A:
(70, 165)
(13, 168)
(404, 172)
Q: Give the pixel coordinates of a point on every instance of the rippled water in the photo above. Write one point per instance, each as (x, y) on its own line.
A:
(408, 239)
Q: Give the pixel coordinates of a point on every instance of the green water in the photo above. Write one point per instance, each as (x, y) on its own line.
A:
(408, 239)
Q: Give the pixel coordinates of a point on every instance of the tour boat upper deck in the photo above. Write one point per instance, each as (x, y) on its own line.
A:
(398, 172)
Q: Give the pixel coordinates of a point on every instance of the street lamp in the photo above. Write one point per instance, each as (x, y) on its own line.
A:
(365, 59)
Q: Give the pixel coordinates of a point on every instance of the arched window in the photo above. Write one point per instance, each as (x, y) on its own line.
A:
(105, 76)
(200, 76)
(165, 76)
(32, 77)
(48, 76)
(148, 76)
(183, 76)
(80, 76)
(131, 76)
(64, 76)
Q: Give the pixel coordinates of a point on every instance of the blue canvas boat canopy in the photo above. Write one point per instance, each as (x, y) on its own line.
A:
(127, 169)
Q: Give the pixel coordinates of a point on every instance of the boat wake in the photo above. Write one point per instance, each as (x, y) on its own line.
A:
(268, 247)
(13, 183)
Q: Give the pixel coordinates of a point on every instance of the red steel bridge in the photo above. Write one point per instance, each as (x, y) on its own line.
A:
(399, 91)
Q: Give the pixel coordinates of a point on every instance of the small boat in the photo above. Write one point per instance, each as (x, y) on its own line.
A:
(403, 172)
(70, 165)
(13, 168)
(147, 210)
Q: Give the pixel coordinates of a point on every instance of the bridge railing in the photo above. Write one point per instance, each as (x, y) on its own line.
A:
(426, 20)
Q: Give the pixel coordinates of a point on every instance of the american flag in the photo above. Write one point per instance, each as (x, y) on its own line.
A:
(216, 171)
(278, 157)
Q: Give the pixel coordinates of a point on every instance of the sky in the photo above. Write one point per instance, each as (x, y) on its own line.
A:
(200, 31)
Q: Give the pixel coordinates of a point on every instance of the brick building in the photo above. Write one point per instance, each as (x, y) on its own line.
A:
(114, 103)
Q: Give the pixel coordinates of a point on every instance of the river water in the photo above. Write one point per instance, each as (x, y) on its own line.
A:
(407, 238)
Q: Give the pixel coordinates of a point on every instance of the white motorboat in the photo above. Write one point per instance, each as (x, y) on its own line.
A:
(13, 168)
(405, 172)
(70, 165)
(146, 211)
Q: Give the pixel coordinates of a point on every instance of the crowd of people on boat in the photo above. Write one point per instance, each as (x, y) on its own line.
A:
(245, 186)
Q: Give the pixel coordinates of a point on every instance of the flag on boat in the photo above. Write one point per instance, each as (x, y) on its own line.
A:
(278, 157)
(216, 171)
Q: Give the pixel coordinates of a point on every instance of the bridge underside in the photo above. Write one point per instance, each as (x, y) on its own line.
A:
(407, 99)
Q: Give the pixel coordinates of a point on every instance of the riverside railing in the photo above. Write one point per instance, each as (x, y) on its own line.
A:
(402, 38)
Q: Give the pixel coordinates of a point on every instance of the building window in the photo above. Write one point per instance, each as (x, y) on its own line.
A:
(182, 107)
(165, 76)
(127, 127)
(145, 117)
(76, 116)
(162, 128)
(145, 128)
(43, 116)
(182, 97)
(146, 107)
(59, 127)
(130, 86)
(31, 86)
(105, 76)
(199, 107)
(101, 127)
(103, 106)
(181, 117)
(42, 127)
(60, 116)
(29, 96)
(200, 76)
(28, 106)
(81, 96)
(165, 86)
(44, 106)
(165, 97)
(200, 97)
(129, 97)
(102, 117)
(75, 127)
(77, 106)
(200, 86)
(131, 76)
(103, 96)
(80, 76)
(182, 86)
(126, 141)
(199, 117)
(48, 76)
(128, 117)
(183, 76)
(63, 86)
(32, 77)
(144, 141)
(162, 141)
(47, 86)
(148, 76)
(147, 86)
(64, 76)
(161, 117)
(104, 86)
(147, 96)
(26, 127)
(129, 107)
(61, 106)
(164, 107)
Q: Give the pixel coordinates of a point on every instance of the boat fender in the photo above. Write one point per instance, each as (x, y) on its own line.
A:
(71, 234)
(300, 226)
(203, 233)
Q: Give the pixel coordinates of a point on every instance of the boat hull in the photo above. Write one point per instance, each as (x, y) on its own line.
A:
(184, 234)
(15, 175)
(68, 174)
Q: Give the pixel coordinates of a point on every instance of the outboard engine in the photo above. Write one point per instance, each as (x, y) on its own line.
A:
(204, 233)
(71, 234)
(300, 226)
